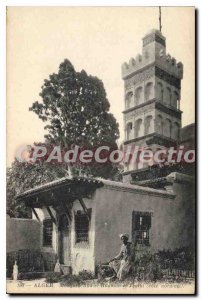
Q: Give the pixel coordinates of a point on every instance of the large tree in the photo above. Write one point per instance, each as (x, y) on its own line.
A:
(22, 176)
(76, 109)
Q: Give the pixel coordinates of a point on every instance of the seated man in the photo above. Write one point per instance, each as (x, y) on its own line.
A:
(121, 264)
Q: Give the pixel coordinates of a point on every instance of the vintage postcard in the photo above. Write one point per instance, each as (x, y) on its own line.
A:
(101, 150)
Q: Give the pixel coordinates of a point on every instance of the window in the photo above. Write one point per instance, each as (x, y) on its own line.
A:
(129, 128)
(82, 226)
(168, 96)
(159, 90)
(167, 128)
(138, 96)
(148, 125)
(175, 99)
(138, 128)
(159, 124)
(141, 224)
(47, 232)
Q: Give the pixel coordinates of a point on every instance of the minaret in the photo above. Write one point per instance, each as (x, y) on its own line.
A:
(152, 83)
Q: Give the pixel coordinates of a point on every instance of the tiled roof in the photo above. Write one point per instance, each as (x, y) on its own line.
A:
(65, 181)
(59, 182)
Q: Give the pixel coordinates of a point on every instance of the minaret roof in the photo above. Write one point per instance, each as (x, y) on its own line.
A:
(155, 31)
(154, 35)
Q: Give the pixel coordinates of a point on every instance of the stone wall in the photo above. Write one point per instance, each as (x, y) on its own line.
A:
(22, 234)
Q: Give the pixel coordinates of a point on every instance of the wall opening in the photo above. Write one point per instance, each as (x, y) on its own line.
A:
(148, 125)
(64, 239)
(149, 91)
(168, 96)
(167, 128)
(159, 124)
(129, 100)
(82, 225)
(175, 99)
(138, 128)
(159, 91)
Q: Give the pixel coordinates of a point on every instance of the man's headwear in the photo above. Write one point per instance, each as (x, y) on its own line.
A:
(124, 234)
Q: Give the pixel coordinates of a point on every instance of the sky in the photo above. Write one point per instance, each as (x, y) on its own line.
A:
(96, 39)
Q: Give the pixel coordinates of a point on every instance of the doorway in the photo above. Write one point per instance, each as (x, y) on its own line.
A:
(64, 240)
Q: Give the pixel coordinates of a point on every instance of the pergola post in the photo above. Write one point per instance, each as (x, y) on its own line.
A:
(84, 208)
(51, 215)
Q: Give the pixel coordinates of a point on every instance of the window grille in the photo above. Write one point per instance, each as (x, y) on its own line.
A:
(47, 232)
(82, 226)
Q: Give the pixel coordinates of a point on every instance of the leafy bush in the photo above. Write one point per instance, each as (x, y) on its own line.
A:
(86, 275)
(53, 277)
(181, 258)
(151, 266)
(147, 267)
(72, 280)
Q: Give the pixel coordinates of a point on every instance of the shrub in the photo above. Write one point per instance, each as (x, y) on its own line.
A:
(53, 277)
(181, 258)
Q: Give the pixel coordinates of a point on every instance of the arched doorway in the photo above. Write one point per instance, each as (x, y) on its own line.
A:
(64, 240)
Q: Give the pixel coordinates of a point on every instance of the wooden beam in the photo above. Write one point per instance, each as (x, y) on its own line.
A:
(36, 215)
(51, 215)
(66, 211)
(84, 208)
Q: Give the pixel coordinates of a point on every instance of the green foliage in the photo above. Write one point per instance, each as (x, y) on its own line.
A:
(76, 112)
(181, 258)
(24, 176)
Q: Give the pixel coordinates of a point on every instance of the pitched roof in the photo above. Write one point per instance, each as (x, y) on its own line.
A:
(71, 186)
(64, 181)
